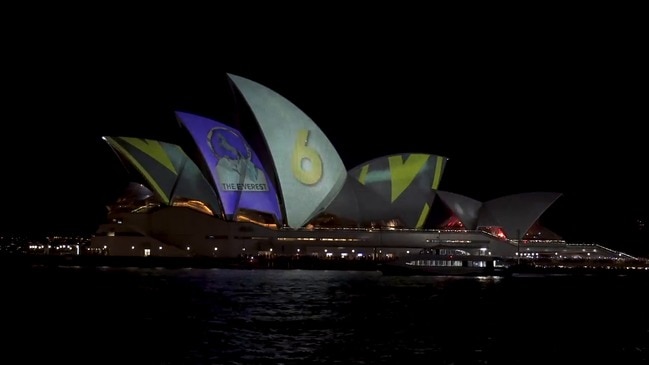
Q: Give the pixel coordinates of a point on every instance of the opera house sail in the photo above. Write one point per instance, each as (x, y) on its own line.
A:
(403, 184)
(234, 167)
(306, 162)
(171, 175)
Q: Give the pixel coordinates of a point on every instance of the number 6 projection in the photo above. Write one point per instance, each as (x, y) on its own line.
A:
(312, 173)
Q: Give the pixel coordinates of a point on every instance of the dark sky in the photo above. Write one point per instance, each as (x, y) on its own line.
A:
(564, 113)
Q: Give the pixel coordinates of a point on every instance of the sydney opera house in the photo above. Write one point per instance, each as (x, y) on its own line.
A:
(273, 184)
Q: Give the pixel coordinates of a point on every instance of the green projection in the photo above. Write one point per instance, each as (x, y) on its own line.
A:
(405, 184)
(403, 172)
(153, 149)
(143, 146)
(439, 166)
(423, 216)
(168, 172)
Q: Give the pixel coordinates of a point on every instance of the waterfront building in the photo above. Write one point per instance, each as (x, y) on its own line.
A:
(273, 184)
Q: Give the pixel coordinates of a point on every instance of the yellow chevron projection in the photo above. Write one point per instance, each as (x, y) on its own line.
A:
(153, 149)
(161, 193)
(363, 175)
(422, 216)
(402, 173)
(438, 172)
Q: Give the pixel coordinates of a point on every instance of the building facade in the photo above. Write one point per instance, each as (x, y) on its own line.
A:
(275, 185)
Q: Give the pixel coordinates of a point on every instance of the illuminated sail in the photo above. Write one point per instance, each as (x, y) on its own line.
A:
(516, 213)
(308, 167)
(466, 209)
(169, 172)
(235, 168)
(359, 204)
(406, 184)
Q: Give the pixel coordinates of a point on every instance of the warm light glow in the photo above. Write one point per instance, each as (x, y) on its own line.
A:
(192, 204)
(255, 218)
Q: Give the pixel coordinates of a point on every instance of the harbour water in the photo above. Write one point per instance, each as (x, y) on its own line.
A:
(222, 316)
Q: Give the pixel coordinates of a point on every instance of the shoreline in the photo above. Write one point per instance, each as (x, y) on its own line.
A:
(303, 263)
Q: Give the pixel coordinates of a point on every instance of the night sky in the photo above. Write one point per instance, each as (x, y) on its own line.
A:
(562, 114)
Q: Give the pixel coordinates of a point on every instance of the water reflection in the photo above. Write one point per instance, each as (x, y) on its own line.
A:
(217, 316)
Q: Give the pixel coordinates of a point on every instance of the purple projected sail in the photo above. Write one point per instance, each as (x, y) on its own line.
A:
(236, 170)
